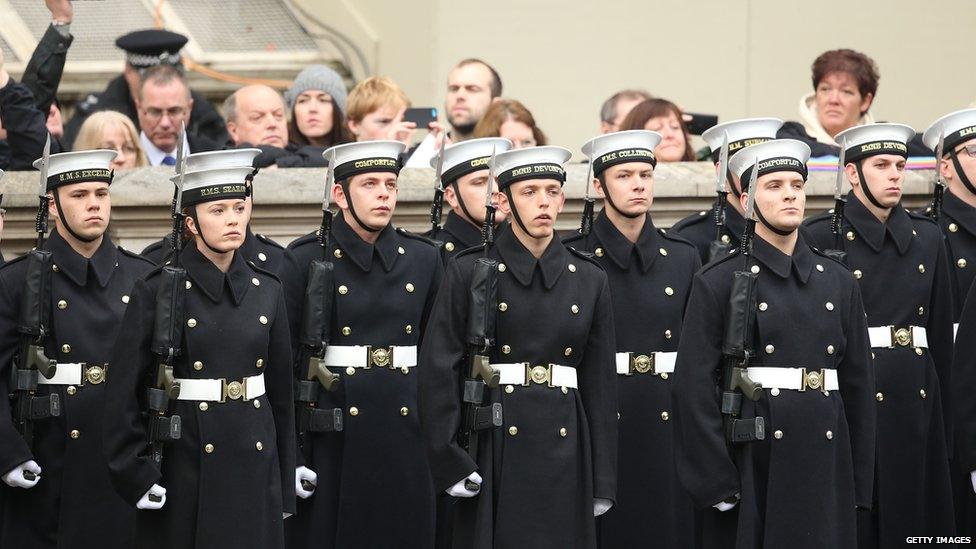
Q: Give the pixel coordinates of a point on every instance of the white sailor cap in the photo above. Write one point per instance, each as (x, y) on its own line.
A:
(78, 167)
(615, 148)
(544, 162)
(364, 157)
(874, 139)
(230, 158)
(959, 127)
(778, 155)
(212, 185)
(469, 156)
(742, 133)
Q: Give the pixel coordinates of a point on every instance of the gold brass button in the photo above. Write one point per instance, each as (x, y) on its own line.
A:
(774, 391)
(572, 268)
(262, 257)
(408, 328)
(763, 306)
(337, 253)
(953, 227)
(191, 322)
(255, 281)
(819, 268)
(562, 432)
(879, 397)
(725, 239)
(921, 268)
(830, 349)
(568, 351)
(125, 299)
(513, 430)
(565, 390)
(72, 389)
(503, 306)
(921, 393)
(921, 311)
(404, 411)
(259, 362)
(665, 416)
(858, 274)
(662, 251)
(502, 267)
(75, 433)
(353, 411)
(918, 351)
(770, 349)
(343, 290)
(829, 306)
(755, 269)
(400, 250)
(506, 349)
(204, 406)
(598, 252)
(777, 434)
(667, 334)
(509, 389)
(961, 263)
(55, 268)
(350, 371)
(259, 446)
(346, 330)
(62, 304)
(198, 365)
(410, 288)
(669, 290)
(263, 319)
(257, 403)
(850, 235)
(449, 246)
(664, 375)
(189, 284)
(829, 435)
(575, 309)
(66, 348)
(209, 448)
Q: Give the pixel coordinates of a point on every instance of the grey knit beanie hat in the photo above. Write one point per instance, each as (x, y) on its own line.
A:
(318, 77)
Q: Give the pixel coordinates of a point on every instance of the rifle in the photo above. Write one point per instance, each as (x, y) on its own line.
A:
(168, 332)
(717, 248)
(737, 344)
(940, 184)
(34, 324)
(586, 222)
(314, 337)
(478, 415)
(436, 207)
(837, 218)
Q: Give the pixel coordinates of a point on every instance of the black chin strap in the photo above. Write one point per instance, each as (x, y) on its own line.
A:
(731, 181)
(64, 222)
(515, 214)
(464, 207)
(196, 221)
(865, 187)
(768, 225)
(961, 173)
(352, 209)
(609, 200)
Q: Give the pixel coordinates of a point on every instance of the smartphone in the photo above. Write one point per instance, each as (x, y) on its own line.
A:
(421, 116)
(701, 122)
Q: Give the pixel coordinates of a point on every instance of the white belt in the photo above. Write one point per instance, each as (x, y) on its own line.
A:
(219, 390)
(521, 373)
(890, 336)
(796, 379)
(655, 363)
(366, 356)
(75, 373)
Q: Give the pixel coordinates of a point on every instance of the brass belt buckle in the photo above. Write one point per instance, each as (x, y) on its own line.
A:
(642, 364)
(381, 357)
(812, 380)
(96, 374)
(901, 336)
(538, 374)
(233, 390)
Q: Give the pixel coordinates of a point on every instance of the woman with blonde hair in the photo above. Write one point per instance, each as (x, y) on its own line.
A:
(114, 131)
(375, 111)
(510, 119)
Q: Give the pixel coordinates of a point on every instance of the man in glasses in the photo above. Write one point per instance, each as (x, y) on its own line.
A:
(163, 104)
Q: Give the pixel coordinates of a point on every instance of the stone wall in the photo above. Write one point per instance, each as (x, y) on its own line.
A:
(288, 201)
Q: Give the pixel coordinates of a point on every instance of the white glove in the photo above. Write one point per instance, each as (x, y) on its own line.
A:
(15, 477)
(146, 503)
(724, 506)
(972, 479)
(460, 491)
(304, 473)
(601, 506)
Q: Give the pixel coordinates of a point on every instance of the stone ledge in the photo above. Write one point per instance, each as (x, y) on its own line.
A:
(288, 201)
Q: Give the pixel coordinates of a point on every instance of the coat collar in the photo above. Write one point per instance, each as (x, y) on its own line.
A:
(522, 263)
(361, 252)
(621, 250)
(873, 231)
(467, 235)
(960, 212)
(801, 262)
(76, 266)
(211, 279)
